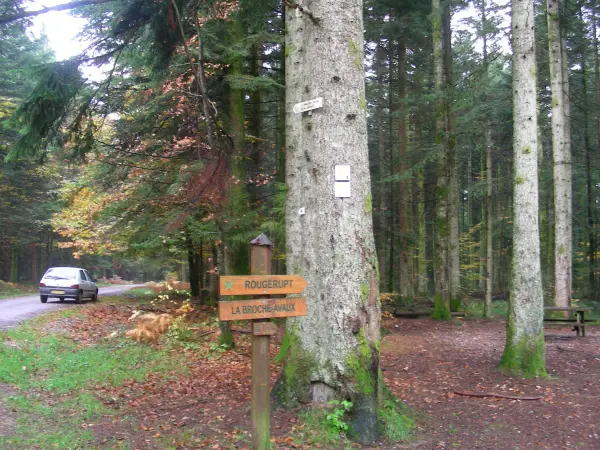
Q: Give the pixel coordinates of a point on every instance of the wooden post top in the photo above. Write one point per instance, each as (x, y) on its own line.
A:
(262, 239)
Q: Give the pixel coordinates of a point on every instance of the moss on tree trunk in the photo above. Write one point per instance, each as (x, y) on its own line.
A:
(525, 357)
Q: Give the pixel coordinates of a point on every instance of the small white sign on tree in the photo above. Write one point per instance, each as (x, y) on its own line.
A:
(308, 105)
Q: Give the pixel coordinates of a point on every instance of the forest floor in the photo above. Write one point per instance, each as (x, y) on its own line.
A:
(71, 379)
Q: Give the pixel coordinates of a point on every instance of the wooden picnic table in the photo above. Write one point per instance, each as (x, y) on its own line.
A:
(578, 321)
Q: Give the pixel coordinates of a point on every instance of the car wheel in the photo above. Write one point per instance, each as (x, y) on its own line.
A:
(43, 298)
(79, 297)
(95, 297)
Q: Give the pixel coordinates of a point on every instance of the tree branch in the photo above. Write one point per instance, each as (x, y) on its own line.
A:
(491, 394)
(63, 7)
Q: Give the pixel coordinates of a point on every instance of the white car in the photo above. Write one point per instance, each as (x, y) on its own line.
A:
(68, 282)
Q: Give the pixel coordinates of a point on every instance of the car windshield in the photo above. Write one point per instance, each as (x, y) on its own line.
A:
(61, 273)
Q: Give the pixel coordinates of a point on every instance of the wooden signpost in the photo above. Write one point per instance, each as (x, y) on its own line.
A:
(263, 308)
(260, 284)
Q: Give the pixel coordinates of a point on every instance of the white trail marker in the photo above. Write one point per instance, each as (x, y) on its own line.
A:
(309, 105)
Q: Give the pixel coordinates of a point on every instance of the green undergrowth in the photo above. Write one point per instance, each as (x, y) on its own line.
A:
(61, 425)
(56, 378)
(440, 309)
(474, 308)
(316, 430)
(395, 418)
(54, 424)
(395, 422)
(9, 290)
(140, 295)
(331, 427)
(40, 360)
(139, 292)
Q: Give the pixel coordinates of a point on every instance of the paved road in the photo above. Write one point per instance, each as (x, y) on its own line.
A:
(15, 310)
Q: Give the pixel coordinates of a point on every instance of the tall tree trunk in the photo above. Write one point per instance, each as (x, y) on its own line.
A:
(524, 352)
(596, 48)
(191, 254)
(238, 254)
(441, 263)
(200, 270)
(482, 220)
(34, 264)
(334, 350)
(561, 156)
(587, 148)
(379, 119)
(419, 228)
(281, 115)
(489, 222)
(489, 217)
(404, 207)
(14, 264)
(224, 268)
(254, 121)
(391, 266)
(452, 162)
(212, 276)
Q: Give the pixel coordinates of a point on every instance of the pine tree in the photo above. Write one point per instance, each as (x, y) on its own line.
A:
(333, 352)
(525, 349)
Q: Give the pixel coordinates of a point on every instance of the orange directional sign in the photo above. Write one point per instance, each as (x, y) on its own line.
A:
(262, 284)
(263, 308)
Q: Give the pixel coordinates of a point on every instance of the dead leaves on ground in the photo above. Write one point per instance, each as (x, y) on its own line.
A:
(149, 327)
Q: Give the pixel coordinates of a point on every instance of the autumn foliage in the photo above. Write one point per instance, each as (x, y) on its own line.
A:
(149, 326)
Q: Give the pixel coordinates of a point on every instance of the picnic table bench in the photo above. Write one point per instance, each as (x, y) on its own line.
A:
(578, 321)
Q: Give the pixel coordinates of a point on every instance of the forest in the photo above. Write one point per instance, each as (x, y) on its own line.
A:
(471, 129)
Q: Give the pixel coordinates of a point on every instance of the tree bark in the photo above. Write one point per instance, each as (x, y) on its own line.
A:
(390, 268)
(224, 267)
(561, 156)
(489, 222)
(212, 278)
(281, 147)
(405, 266)
(596, 48)
(524, 352)
(237, 253)
(200, 271)
(191, 254)
(489, 218)
(34, 264)
(453, 176)
(333, 352)
(383, 231)
(419, 197)
(441, 230)
(14, 264)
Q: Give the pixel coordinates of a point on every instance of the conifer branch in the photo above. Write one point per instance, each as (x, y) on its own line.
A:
(47, 9)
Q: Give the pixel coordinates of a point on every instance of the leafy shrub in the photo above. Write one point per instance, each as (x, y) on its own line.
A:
(335, 419)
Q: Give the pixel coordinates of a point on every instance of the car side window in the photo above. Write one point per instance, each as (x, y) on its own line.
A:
(87, 275)
(82, 275)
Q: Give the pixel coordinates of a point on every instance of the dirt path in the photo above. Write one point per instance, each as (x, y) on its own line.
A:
(425, 362)
(15, 310)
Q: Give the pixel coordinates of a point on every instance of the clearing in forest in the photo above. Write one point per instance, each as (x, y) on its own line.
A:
(72, 379)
